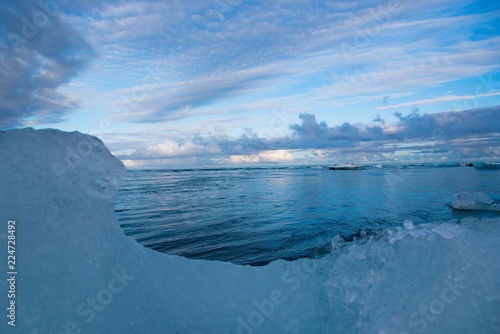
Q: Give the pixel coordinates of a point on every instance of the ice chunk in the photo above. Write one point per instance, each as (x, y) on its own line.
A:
(465, 200)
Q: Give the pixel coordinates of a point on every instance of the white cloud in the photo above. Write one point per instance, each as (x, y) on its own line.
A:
(171, 148)
(133, 163)
(415, 72)
(262, 157)
(449, 98)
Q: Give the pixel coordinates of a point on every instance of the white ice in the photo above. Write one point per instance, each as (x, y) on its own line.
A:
(464, 200)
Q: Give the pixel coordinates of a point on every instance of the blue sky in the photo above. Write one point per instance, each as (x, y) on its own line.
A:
(190, 83)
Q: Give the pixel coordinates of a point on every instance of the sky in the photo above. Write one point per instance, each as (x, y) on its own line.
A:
(234, 82)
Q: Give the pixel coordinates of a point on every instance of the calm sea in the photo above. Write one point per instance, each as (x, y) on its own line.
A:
(256, 215)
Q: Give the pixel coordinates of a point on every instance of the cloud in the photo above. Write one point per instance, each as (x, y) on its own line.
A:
(469, 133)
(378, 119)
(312, 134)
(133, 163)
(450, 133)
(450, 98)
(172, 103)
(414, 126)
(171, 148)
(208, 56)
(310, 128)
(262, 157)
(39, 52)
(405, 71)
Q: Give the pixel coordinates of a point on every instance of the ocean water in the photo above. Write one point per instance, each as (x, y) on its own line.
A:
(257, 215)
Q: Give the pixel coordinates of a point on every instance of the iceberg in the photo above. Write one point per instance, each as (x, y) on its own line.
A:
(76, 271)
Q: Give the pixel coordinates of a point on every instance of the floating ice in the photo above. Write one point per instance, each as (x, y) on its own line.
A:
(465, 200)
(487, 166)
(78, 272)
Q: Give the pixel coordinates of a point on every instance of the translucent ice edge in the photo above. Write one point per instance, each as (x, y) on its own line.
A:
(78, 273)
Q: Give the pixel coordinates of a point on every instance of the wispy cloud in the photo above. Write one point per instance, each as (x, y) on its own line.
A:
(449, 98)
(176, 102)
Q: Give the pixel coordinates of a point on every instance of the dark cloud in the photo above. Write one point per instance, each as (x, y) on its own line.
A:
(414, 126)
(39, 51)
(378, 119)
(448, 125)
(469, 134)
(310, 128)
(484, 121)
(320, 135)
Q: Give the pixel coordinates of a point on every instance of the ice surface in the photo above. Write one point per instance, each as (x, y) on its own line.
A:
(465, 200)
(78, 272)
